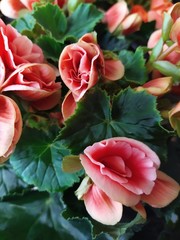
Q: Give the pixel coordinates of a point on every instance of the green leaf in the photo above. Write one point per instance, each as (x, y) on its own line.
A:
(166, 28)
(133, 114)
(51, 47)
(135, 70)
(10, 184)
(83, 20)
(27, 22)
(52, 19)
(37, 216)
(38, 158)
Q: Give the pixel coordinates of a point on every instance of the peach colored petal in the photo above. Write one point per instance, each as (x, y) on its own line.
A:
(154, 38)
(164, 192)
(157, 87)
(114, 69)
(140, 209)
(10, 126)
(174, 117)
(68, 106)
(140, 10)
(101, 208)
(174, 11)
(115, 15)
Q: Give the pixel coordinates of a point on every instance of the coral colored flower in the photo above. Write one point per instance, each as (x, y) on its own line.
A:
(174, 118)
(10, 126)
(141, 11)
(126, 170)
(80, 64)
(34, 82)
(16, 49)
(157, 87)
(68, 106)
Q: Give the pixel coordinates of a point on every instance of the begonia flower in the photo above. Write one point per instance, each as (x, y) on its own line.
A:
(80, 65)
(10, 127)
(34, 82)
(127, 171)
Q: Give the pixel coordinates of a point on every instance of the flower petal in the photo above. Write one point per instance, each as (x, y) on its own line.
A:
(114, 69)
(164, 192)
(101, 208)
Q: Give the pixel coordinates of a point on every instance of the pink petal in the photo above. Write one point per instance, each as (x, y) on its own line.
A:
(101, 208)
(114, 69)
(68, 106)
(10, 125)
(164, 192)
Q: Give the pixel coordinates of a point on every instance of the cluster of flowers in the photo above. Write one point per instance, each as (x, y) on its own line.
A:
(119, 171)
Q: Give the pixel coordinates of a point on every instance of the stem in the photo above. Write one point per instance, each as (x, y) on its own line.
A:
(168, 51)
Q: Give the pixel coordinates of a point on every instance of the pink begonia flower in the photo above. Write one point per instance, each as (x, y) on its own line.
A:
(34, 82)
(16, 49)
(114, 69)
(10, 126)
(158, 86)
(126, 170)
(13, 8)
(80, 64)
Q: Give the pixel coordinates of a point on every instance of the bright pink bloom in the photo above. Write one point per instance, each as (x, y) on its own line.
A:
(16, 49)
(127, 171)
(80, 64)
(10, 126)
(34, 83)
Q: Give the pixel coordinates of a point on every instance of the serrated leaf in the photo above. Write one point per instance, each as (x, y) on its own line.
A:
(27, 22)
(37, 216)
(37, 159)
(131, 114)
(83, 20)
(52, 19)
(135, 70)
(10, 184)
(51, 47)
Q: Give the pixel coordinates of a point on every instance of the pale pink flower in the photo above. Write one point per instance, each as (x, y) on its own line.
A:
(80, 65)
(126, 171)
(10, 126)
